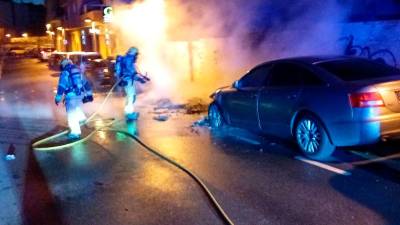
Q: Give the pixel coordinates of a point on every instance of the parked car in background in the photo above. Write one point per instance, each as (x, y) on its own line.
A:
(55, 59)
(96, 69)
(30, 52)
(16, 52)
(320, 102)
(89, 62)
(45, 54)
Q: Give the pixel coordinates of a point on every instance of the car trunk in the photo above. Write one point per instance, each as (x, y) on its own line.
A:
(388, 88)
(390, 92)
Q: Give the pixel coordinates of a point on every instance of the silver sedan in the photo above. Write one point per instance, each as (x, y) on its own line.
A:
(320, 102)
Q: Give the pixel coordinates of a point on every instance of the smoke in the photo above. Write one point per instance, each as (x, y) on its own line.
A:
(190, 48)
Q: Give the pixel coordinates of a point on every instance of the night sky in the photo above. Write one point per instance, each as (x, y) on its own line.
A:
(21, 17)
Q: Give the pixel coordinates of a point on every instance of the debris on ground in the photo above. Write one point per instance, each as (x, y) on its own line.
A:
(166, 103)
(272, 144)
(197, 127)
(98, 183)
(192, 106)
(161, 117)
(203, 122)
(164, 109)
(10, 157)
(10, 153)
(195, 106)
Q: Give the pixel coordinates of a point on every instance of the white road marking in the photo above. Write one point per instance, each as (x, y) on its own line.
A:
(323, 166)
(373, 158)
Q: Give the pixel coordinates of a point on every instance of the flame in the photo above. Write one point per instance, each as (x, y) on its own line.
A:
(144, 25)
(179, 69)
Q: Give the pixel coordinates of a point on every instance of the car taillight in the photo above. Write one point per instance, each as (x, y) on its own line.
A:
(366, 99)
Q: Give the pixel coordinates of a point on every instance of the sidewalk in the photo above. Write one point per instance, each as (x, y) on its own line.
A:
(1, 65)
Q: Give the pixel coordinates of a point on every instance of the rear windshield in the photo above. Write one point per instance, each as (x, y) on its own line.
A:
(358, 69)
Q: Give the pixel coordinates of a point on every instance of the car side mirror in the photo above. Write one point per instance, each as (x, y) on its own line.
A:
(236, 84)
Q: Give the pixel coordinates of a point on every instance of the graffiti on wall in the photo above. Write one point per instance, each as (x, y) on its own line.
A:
(381, 55)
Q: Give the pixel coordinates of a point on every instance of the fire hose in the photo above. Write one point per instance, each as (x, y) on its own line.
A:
(106, 127)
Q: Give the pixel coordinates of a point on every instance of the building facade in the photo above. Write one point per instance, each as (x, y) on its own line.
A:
(16, 19)
(81, 25)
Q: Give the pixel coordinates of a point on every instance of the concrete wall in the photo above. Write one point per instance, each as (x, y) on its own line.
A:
(376, 39)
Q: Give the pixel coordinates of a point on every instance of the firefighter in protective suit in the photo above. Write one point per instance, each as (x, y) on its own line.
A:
(126, 71)
(76, 90)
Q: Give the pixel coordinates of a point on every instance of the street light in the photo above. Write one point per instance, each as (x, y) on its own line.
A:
(87, 20)
(48, 26)
(25, 35)
(8, 35)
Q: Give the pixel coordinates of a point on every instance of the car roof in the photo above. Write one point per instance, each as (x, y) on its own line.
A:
(83, 53)
(76, 53)
(312, 60)
(317, 59)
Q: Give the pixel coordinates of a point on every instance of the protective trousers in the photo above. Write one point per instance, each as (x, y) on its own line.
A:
(74, 113)
(130, 98)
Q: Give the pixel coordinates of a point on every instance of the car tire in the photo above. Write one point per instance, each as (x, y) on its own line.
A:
(312, 138)
(215, 117)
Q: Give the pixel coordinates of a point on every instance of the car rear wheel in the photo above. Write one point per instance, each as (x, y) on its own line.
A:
(215, 116)
(312, 138)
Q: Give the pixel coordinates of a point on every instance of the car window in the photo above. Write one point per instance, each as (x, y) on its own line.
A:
(284, 75)
(255, 78)
(358, 69)
(289, 74)
(309, 78)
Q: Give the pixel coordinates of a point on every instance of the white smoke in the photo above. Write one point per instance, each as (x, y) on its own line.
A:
(192, 47)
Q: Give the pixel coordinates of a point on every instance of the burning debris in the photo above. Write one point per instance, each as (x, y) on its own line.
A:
(196, 106)
(164, 108)
(192, 106)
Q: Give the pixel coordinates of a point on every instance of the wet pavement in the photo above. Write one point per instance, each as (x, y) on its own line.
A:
(111, 179)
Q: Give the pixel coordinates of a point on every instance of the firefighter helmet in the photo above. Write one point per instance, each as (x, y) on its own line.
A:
(64, 63)
(133, 51)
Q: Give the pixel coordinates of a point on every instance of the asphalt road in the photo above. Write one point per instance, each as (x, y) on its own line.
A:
(111, 179)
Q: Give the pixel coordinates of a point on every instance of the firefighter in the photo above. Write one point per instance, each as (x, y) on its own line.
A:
(75, 89)
(126, 71)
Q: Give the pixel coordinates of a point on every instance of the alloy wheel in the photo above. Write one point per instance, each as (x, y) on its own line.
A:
(308, 136)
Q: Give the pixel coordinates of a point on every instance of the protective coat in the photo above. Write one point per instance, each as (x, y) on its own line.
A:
(73, 86)
(127, 74)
